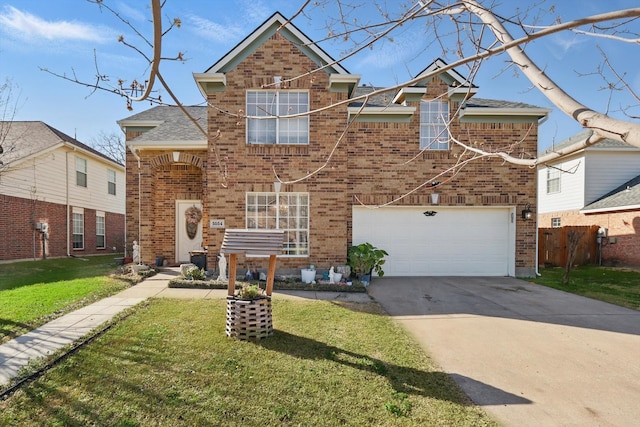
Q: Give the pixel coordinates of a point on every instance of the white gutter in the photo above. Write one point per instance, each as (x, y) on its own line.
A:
(612, 209)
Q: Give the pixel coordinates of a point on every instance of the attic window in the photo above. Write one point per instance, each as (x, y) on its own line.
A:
(264, 124)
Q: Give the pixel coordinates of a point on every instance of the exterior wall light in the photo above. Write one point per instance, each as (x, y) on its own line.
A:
(434, 198)
(176, 156)
(526, 212)
(277, 185)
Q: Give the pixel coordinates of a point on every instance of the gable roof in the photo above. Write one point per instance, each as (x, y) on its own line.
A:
(167, 126)
(275, 23)
(28, 138)
(625, 197)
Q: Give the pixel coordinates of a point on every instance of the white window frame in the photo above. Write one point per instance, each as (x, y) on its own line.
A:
(270, 128)
(281, 211)
(78, 228)
(553, 180)
(556, 222)
(434, 119)
(101, 226)
(111, 182)
(81, 172)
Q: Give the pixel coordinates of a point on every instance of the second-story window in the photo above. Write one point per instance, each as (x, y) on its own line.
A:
(81, 172)
(553, 180)
(434, 119)
(264, 122)
(111, 181)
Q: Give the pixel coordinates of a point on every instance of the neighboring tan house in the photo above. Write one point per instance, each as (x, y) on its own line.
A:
(58, 197)
(184, 188)
(595, 186)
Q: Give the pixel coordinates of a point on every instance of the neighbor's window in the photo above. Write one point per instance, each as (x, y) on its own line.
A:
(81, 172)
(111, 181)
(283, 211)
(553, 180)
(78, 228)
(434, 117)
(555, 222)
(271, 129)
(100, 228)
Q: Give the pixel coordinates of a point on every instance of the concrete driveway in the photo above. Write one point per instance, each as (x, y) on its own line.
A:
(529, 355)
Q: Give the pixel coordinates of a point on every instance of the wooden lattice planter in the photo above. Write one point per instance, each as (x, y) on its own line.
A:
(249, 319)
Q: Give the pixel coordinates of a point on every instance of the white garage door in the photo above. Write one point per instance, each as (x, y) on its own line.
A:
(453, 242)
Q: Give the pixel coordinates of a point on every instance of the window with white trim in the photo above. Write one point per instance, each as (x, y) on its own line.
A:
(283, 211)
(553, 180)
(100, 231)
(81, 172)
(111, 181)
(434, 117)
(78, 228)
(264, 125)
(556, 223)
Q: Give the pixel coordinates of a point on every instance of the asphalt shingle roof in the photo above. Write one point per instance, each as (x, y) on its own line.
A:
(174, 124)
(627, 195)
(25, 138)
(607, 143)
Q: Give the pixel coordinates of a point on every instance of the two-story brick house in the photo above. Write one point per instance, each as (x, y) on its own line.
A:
(333, 166)
(58, 196)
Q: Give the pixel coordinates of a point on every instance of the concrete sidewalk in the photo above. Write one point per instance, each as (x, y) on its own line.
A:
(47, 339)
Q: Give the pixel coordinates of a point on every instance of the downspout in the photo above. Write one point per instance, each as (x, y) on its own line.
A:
(137, 156)
(537, 266)
(66, 161)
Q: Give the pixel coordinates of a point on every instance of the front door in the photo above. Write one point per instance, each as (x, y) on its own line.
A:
(188, 228)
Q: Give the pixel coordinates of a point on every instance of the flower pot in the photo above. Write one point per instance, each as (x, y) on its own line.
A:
(365, 279)
(308, 276)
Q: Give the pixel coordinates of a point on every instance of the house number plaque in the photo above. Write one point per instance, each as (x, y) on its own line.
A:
(216, 223)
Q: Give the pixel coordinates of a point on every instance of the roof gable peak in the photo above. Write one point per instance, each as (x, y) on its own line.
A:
(276, 23)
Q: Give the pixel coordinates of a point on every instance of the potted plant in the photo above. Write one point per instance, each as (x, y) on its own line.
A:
(366, 258)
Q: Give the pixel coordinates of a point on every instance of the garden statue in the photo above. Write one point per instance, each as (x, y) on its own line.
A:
(222, 266)
(332, 275)
(136, 252)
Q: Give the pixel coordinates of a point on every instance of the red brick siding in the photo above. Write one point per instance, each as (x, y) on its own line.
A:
(20, 240)
(372, 163)
(622, 247)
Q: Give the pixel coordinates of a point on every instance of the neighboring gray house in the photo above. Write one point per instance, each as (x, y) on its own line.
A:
(599, 186)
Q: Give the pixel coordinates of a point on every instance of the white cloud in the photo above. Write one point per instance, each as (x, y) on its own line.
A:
(255, 11)
(562, 44)
(210, 30)
(250, 14)
(132, 12)
(25, 26)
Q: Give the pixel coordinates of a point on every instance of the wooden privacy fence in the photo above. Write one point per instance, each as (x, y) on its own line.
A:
(553, 245)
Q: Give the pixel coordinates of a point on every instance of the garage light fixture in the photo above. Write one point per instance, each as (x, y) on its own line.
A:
(434, 198)
(526, 212)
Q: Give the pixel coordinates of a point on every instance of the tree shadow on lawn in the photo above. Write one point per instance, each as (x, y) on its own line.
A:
(403, 379)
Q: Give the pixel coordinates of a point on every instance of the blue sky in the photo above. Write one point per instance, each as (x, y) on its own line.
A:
(63, 35)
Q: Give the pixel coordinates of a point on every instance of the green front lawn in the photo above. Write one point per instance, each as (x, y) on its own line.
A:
(171, 363)
(34, 292)
(614, 285)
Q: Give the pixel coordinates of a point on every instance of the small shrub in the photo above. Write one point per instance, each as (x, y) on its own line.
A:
(248, 291)
(195, 273)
